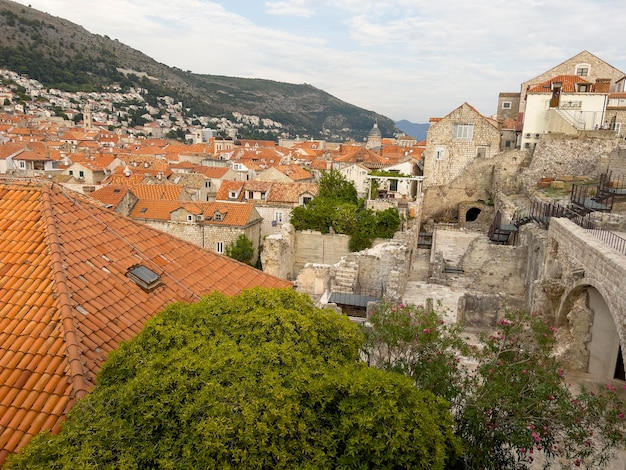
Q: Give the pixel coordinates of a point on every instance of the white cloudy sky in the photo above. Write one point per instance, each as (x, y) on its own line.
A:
(405, 59)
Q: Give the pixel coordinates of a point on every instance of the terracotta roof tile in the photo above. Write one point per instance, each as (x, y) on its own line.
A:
(65, 301)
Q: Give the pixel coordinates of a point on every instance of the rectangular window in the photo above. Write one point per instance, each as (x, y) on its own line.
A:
(81, 174)
(463, 131)
(219, 247)
(232, 195)
(507, 144)
(481, 152)
(440, 153)
(71, 172)
(506, 105)
(582, 71)
(278, 216)
(22, 164)
(189, 218)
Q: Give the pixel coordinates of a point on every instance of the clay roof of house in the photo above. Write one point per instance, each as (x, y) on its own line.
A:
(66, 300)
(234, 214)
(276, 191)
(212, 171)
(294, 172)
(568, 84)
(358, 154)
(226, 187)
(32, 156)
(168, 192)
(290, 192)
(110, 194)
(6, 150)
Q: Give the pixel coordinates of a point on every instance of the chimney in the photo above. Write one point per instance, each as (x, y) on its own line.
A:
(603, 85)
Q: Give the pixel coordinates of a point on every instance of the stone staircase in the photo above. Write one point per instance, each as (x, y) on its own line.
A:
(346, 277)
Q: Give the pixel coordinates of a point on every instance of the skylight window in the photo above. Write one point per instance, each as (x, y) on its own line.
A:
(144, 277)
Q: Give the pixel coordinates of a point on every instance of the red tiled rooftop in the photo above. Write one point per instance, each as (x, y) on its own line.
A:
(66, 302)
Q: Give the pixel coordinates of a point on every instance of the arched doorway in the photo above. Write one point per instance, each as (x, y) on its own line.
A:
(472, 214)
(604, 347)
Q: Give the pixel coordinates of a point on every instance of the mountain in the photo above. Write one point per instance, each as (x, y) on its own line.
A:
(414, 130)
(63, 55)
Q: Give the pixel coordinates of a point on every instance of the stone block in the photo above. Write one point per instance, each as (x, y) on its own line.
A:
(557, 185)
(567, 178)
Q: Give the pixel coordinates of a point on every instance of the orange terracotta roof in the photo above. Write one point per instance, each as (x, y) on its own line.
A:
(110, 194)
(212, 171)
(66, 300)
(226, 187)
(294, 172)
(233, 214)
(568, 84)
(168, 192)
(6, 150)
(289, 193)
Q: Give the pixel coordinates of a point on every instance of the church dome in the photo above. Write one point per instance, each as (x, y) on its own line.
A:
(375, 132)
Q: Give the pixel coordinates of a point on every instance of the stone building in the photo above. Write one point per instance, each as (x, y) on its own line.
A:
(210, 225)
(273, 200)
(455, 142)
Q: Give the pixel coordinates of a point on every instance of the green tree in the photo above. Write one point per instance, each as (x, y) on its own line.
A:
(241, 249)
(262, 380)
(514, 404)
(337, 207)
(333, 185)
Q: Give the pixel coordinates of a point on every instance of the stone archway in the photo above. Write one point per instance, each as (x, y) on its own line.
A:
(604, 346)
(588, 337)
(472, 214)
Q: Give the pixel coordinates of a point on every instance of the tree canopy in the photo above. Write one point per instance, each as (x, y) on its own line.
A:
(337, 208)
(262, 380)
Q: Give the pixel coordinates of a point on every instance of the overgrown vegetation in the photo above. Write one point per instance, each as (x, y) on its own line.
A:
(262, 380)
(241, 249)
(337, 209)
(511, 402)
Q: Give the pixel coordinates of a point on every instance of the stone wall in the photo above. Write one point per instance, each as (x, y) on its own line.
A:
(457, 153)
(207, 236)
(557, 155)
(278, 256)
(315, 247)
(617, 160)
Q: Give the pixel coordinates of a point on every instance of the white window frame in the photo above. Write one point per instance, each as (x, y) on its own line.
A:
(440, 153)
(463, 131)
(22, 164)
(189, 218)
(219, 247)
(278, 217)
(507, 105)
(232, 194)
(582, 70)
